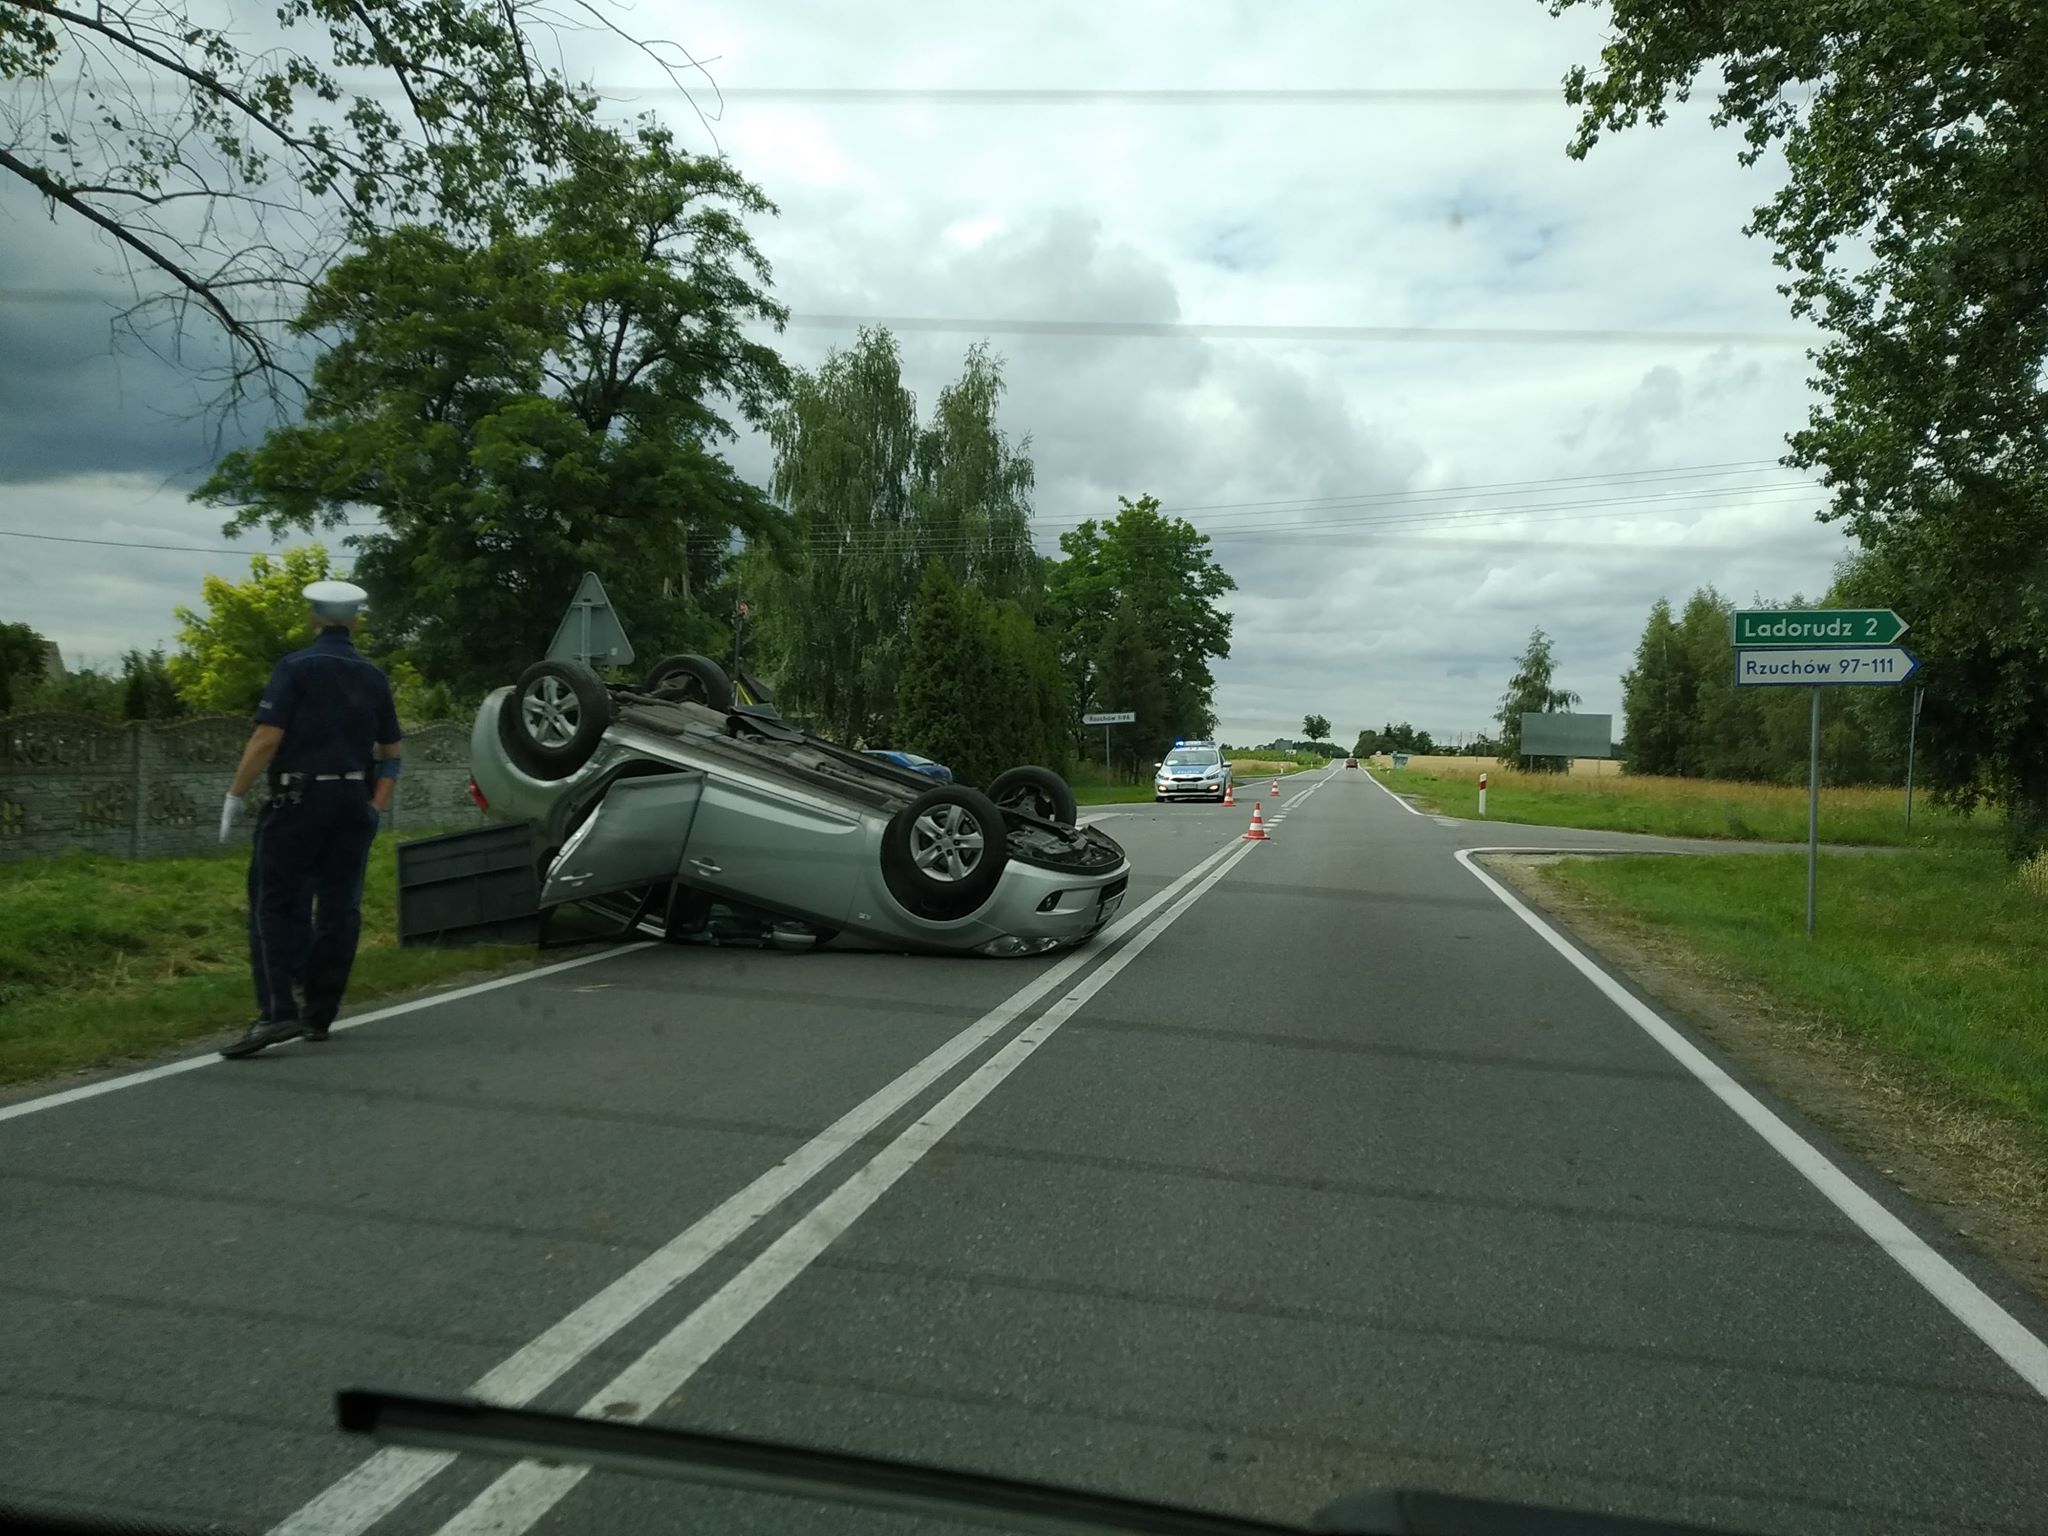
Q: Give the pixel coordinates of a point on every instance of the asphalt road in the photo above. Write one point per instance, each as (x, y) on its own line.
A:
(1329, 1170)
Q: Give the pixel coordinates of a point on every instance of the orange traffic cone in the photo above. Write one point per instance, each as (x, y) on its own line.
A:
(1276, 789)
(1230, 794)
(1258, 831)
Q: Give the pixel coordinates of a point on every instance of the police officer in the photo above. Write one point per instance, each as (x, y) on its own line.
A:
(327, 735)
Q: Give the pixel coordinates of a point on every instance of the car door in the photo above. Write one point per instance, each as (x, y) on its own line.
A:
(635, 838)
(764, 840)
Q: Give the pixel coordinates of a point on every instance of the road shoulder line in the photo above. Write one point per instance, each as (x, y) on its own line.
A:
(1411, 810)
(1999, 1331)
(212, 1058)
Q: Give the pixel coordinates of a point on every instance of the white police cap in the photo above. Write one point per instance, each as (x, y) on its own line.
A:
(336, 599)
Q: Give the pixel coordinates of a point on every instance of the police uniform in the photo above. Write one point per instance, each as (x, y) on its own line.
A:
(312, 842)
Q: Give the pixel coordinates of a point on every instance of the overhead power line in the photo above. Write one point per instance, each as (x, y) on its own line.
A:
(182, 549)
(1081, 96)
(1395, 510)
(1354, 530)
(1409, 509)
(1157, 330)
(1619, 476)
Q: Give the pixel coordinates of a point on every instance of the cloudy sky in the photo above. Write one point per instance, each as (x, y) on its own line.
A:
(1485, 387)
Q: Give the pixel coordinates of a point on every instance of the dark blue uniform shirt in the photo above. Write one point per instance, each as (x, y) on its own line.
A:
(333, 705)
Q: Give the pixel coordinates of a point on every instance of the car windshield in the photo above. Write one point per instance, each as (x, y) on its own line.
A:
(1475, 576)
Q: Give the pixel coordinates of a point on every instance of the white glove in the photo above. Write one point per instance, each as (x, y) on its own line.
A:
(230, 812)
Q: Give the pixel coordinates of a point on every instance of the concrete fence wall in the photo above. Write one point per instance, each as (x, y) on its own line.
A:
(144, 790)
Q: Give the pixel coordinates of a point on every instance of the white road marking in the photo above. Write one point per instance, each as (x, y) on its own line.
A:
(212, 1058)
(2002, 1333)
(379, 1485)
(522, 1495)
(1394, 797)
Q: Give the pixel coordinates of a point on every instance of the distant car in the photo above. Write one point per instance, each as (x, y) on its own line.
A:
(1350, 762)
(913, 762)
(1193, 770)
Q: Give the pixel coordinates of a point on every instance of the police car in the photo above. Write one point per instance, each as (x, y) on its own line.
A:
(1193, 770)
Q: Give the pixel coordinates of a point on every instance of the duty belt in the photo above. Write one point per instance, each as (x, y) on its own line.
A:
(322, 778)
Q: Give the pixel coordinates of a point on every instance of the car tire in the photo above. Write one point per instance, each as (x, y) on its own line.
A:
(551, 723)
(1036, 792)
(691, 680)
(927, 862)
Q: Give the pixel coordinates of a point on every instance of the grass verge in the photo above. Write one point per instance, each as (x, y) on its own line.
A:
(1708, 808)
(103, 960)
(1933, 963)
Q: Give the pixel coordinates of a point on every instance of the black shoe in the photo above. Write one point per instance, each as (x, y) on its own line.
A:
(262, 1033)
(316, 1033)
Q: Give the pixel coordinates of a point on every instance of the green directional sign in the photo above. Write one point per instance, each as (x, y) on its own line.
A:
(1817, 626)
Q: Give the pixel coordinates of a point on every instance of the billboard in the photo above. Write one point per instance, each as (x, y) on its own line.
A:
(1567, 735)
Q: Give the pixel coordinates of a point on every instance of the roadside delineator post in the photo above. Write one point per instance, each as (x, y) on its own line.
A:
(1258, 831)
(1482, 796)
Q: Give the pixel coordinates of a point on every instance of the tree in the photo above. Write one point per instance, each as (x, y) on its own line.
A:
(549, 403)
(23, 655)
(833, 614)
(225, 656)
(875, 498)
(1163, 569)
(970, 497)
(84, 691)
(148, 691)
(1130, 673)
(228, 164)
(1031, 714)
(1369, 744)
(1315, 727)
(1658, 695)
(1531, 691)
(947, 669)
(1915, 142)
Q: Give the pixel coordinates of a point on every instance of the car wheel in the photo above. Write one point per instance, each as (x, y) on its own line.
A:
(1036, 792)
(551, 723)
(943, 853)
(691, 680)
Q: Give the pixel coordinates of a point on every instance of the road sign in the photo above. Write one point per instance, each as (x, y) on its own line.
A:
(1819, 626)
(1113, 717)
(1829, 666)
(590, 632)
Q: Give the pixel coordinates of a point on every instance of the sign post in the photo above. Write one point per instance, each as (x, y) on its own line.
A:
(1106, 719)
(1822, 648)
(1912, 741)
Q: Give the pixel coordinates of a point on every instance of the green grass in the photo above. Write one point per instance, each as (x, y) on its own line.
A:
(1695, 808)
(1935, 960)
(106, 959)
(1111, 794)
(1285, 763)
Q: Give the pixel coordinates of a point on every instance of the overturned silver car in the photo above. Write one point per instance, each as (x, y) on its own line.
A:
(675, 809)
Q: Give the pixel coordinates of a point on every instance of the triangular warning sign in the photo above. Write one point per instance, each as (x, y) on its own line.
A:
(590, 632)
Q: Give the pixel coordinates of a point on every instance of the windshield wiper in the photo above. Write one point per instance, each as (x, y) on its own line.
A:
(905, 1487)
